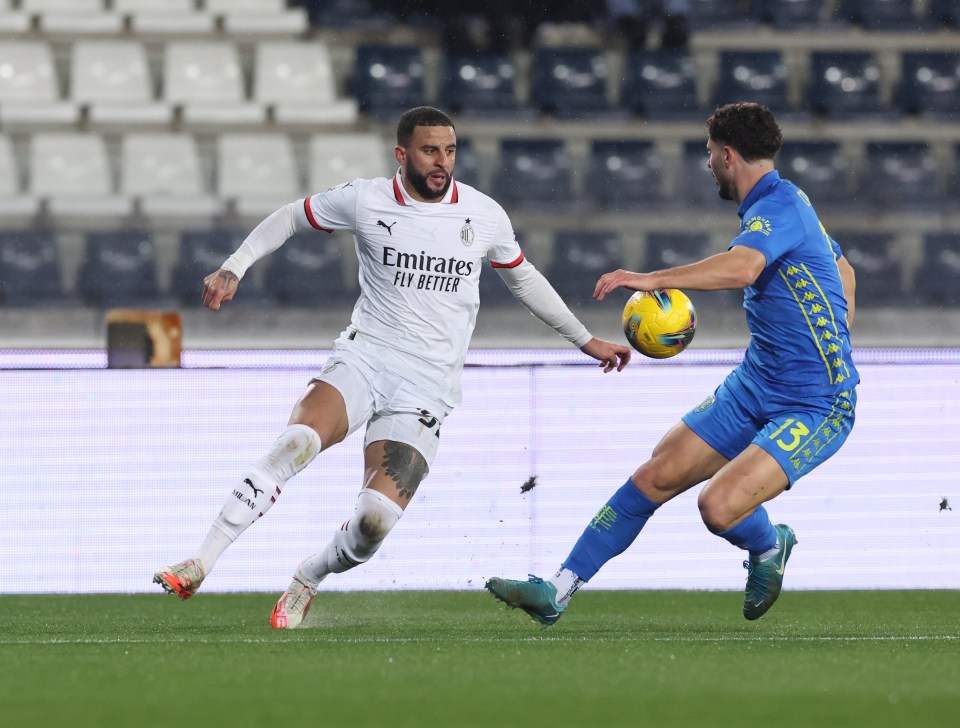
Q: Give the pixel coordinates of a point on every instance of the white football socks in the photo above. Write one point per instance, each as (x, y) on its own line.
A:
(258, 489)
(356, 541)
(566, 583)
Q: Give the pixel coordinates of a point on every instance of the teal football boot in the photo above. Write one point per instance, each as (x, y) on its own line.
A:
(536, 597)
(765, 578)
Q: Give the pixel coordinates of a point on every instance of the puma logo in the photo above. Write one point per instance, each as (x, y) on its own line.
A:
(382, 224)
(256, 491)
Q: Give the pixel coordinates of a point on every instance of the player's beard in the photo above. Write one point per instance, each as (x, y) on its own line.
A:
(723, 189)
(420, 184)
(723, 186)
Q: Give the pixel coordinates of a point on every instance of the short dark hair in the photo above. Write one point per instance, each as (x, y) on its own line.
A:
(419, 116)
(747, 127)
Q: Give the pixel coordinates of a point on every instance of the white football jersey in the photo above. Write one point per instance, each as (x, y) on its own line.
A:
(420, 268)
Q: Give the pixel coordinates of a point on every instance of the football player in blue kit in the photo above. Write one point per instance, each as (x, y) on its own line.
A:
(782, 412)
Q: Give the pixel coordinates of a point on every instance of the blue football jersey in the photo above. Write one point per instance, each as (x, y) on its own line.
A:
(796, 310)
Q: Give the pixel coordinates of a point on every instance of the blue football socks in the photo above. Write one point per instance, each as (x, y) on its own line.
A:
(754, 533)
(611, 531)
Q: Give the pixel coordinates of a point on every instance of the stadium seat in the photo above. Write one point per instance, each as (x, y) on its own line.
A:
(13, 23)
(339, 158)
(163, 172)
(258, 17)
(113, 79)
(844, 85)
(174, 7)
(901, 175)
(944, 13)
(72, 172)
(670, 249)
(713, 15)
(569, 81)
(880, 14)
(789, 14)
(296, 81)
(479, 83)
(625, 175)
(205, 79)
(938, 278)
(661, 84)
(467, 168)
(759, 76)
(820, 169)
(16, 207)
(165, 18)
(579, 259)
(878, 269)
(73, 17)
(308, 272)
(29, 268)
(695, 185)
(119, 269)
(534, 173)
(388, 80)
(953, 180)
(257, 172)
(362, 15)
(29, 88)
(930, 84)
(200, 253)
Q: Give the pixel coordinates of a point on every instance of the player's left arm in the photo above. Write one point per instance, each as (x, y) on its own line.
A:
(536, 294)
(737, 268)
(534, 291)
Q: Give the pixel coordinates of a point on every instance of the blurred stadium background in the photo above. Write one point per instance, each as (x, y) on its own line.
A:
(141, 139)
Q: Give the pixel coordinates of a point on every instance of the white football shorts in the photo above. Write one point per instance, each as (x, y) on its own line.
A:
(393, 408)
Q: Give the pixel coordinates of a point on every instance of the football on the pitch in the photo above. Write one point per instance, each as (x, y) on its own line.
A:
(659, 323)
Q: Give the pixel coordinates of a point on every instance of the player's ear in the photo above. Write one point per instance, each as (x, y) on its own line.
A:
(400, 153)
(729, 156)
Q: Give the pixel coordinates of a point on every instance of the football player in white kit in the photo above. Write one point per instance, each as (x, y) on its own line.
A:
(421, 238)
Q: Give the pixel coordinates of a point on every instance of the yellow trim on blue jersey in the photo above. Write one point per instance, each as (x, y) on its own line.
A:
(836, 330)
(808, 296)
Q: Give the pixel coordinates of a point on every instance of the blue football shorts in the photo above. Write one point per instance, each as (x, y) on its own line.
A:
(799, 432)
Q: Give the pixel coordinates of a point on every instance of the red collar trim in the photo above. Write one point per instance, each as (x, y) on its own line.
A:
(398, 193)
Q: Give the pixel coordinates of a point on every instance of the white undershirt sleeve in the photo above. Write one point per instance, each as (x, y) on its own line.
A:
(266, 237)
(535, 292)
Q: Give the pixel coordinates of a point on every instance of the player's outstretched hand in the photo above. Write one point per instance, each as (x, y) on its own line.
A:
(627, 279)
(611, 356)
(219, 287)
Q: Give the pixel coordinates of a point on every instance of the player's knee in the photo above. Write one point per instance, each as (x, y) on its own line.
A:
(650, 481)
(291, 452)
(716, 514)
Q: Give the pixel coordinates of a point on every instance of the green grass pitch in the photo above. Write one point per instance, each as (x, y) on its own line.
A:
(392, 659)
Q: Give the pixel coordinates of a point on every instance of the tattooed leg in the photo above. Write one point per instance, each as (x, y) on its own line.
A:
(393, 474)
(405, 466)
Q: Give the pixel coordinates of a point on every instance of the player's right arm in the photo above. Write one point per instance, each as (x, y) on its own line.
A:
(739, 267)
(327, 211)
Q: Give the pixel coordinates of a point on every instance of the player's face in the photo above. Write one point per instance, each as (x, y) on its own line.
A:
(719, 169)
(427, 162)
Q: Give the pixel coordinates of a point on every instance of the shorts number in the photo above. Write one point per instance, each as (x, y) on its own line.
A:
(798, 431)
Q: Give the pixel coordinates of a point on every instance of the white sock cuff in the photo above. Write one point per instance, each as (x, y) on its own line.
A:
(379, 499)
